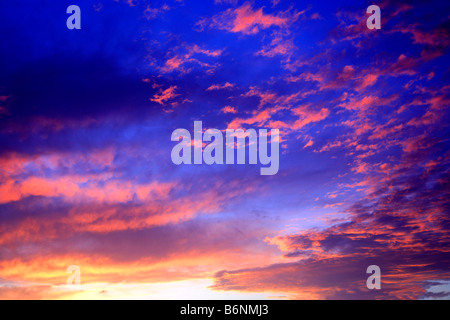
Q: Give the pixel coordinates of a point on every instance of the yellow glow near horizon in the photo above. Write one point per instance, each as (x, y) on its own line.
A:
(177, 290)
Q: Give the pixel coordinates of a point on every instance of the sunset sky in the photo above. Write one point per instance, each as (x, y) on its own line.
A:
(86, 176)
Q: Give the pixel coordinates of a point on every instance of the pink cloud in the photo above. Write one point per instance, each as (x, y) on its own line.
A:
(193, 54)
(280, 46)
(227, 85)
(229, 109)
(247, 20)
(165, 95)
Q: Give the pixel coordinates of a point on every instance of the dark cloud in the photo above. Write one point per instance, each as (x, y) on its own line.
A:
(401, 227)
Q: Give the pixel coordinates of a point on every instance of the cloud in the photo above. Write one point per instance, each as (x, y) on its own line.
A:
(246, 20)
(165, 95)
(227, 85)
(401, 227)
(229, 109)
(164, 254)
(152, 13)
(271, 105)
(280, 46)
(189, 56)
(86, 176)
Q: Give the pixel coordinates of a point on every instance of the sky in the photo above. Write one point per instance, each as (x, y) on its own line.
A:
(86, 176)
